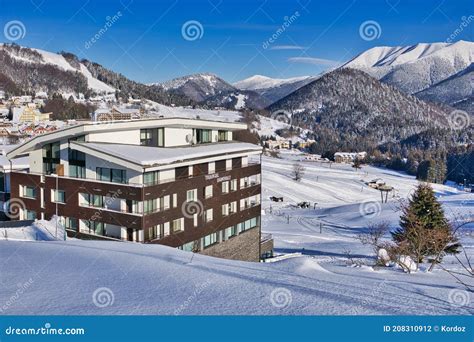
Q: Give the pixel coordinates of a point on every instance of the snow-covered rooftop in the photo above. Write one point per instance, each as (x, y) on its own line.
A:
(150, 156)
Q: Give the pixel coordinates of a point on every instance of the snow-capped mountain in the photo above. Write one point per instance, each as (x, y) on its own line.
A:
(417, 67)
(273, 89)
(44, 60)
(197, 87)
(456, 90)
(26, 70)
(347, 107)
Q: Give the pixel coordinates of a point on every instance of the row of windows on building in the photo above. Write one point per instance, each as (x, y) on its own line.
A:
(220, 236)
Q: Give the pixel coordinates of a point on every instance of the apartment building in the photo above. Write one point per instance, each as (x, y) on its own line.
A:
(179, 182)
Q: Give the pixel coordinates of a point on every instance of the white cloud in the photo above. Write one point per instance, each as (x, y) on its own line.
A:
(313, 60)
(287, 47)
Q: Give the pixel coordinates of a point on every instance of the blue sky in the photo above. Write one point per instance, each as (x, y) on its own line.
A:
(145, 42)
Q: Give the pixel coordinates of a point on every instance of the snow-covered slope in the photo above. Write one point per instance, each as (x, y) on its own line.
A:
(263, 82)
(130, 278)
(273, 89)
(197, 86)
(59, 61)
(416, 67)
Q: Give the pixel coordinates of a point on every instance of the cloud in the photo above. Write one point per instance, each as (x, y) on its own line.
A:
(287, 47)
(313, 60)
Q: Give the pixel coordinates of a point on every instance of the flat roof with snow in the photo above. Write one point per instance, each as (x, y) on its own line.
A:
(139, 157)
(117, 126)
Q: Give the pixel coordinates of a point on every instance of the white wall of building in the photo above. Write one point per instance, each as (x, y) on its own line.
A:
(177, 136)
(119, 137)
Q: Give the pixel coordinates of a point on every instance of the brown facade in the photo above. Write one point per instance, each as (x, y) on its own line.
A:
(199, 180)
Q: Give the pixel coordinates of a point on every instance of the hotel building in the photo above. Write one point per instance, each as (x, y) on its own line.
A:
(183, 183)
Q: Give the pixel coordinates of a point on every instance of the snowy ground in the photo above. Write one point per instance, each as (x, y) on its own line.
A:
(86, 277)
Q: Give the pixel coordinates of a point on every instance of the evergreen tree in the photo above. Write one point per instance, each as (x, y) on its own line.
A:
(424, 227)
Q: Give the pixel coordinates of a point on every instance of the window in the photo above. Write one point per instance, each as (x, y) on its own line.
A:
(77, 161)
(244, 182)
(189, 247)
(30, 214)
(150, 206)
(208, 191)
(222, 136)
(210, 239)
(91, 200)
(175, 200)
(230, 232)
(166, 229)
(203, 136)
(77, 171)
(225, 209)
(152, 137)
(225, 187)
(233, 185)
(58, 196)
(151, 178)
(165, 202)
(51, 157)
(154, 232)
(211, 168)
(191, 195)
(177, 225)
(249, 224)
(94, 227)
(208, 215)
(29, 191)
(71, 223)
(111, 175)
(131, 206)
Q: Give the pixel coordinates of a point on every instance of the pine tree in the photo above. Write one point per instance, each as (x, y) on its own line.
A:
(424, 227)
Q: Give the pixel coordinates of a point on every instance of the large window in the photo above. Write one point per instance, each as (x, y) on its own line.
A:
(111, 175)
(210, 239)
(92, 200)
(71, 223)
(203, 136)
(151, 178)
(152, 137)
(30, 214)
(177, 225)
(155, 232)
(191, 195)
(94, 227)
(150, 206)
(51, 157)
(208, 191)
(222, 135)
(29, 191)
(59, 196)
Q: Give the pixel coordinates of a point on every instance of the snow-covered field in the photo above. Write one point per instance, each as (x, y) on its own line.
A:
(86, 277)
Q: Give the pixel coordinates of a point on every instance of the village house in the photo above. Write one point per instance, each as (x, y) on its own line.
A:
(348, 157)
